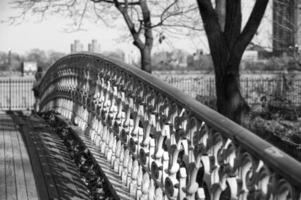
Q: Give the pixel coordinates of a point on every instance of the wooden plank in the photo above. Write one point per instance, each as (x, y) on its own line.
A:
(42, 172)
(2, 164)
(31, 188)
(9, 168)
(22, 163)
(36, 156)
(60, 165)
(19, 171)
(53, 169)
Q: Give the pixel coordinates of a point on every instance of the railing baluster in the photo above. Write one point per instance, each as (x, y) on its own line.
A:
(16, 93)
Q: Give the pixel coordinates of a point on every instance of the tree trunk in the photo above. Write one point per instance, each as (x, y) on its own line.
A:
(229, 99)
(227, 42)
(146, 28)
(221, 12)
(146, 63)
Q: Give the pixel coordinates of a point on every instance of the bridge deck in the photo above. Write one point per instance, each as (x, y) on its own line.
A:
(16, 175)
(34, 163)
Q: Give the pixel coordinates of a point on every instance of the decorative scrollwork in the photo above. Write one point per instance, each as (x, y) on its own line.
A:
(161, 144)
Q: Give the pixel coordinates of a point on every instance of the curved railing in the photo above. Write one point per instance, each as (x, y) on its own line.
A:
(161, 142)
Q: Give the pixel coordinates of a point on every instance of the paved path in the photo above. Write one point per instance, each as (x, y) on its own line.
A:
(16, 176)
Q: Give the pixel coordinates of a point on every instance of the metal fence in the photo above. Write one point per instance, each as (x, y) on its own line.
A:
(253, 87)
(16, 93)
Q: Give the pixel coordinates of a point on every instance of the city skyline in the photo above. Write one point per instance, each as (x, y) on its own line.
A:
(49, 34)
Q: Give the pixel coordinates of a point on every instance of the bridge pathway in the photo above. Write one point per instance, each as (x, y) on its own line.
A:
(16, 175)
(55, 173)
(35, 163)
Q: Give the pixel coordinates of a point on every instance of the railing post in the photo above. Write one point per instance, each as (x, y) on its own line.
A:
(9, 85)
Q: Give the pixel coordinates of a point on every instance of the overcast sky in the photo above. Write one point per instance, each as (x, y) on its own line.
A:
(50, 35)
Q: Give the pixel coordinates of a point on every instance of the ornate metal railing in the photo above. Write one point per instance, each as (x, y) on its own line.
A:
(162, 143)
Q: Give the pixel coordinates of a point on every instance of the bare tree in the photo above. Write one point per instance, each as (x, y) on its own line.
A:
(136, 14)
(227, 42)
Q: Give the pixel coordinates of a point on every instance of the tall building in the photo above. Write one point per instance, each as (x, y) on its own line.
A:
(76, 46)
(94, 46)
(286, 17)
(298, 23)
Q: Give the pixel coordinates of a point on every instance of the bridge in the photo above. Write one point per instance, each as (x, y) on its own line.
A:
(139, 138)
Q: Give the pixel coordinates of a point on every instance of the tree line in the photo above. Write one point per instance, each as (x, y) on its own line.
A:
(11, 61)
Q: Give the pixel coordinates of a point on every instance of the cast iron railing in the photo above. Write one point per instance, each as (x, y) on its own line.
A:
(162, 143)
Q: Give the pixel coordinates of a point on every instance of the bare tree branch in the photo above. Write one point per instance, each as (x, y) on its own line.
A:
(96, 11)
(252, 25)
(83, 14)
(167, 14)
(113, 2)
(130, 24)
(183, 25)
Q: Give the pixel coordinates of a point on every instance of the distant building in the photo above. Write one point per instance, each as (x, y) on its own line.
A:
(298, 23)
(250, 55)
(94, 46)
(29, 68)
(286, 29)
(77, 46)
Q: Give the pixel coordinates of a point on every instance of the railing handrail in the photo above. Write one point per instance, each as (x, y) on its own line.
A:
(278, 160)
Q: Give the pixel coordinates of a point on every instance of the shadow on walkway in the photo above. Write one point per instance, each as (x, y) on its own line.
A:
(55, 173)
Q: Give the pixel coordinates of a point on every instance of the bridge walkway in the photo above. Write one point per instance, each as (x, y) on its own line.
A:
(34, 162)
(16, 174)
